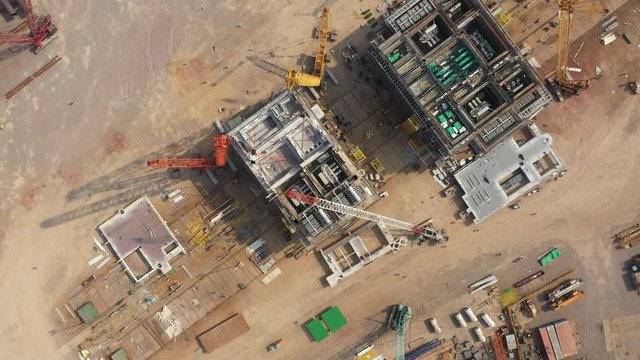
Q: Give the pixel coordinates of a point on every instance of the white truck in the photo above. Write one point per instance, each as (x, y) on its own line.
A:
(635, 271)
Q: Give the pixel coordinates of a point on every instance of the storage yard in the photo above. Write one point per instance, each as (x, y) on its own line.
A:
(330, 180)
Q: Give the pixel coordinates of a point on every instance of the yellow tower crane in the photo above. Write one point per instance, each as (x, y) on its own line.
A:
(567, 9)
(302, 79)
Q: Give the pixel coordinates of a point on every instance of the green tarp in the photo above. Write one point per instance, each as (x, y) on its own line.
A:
(549, 256)
(87, 312)
(119, 354)
(317, 330)
(334, 319)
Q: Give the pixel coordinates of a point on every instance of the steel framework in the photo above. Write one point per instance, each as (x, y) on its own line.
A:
(293, 77)
(40, 27)
(428, 232)
(567, 8)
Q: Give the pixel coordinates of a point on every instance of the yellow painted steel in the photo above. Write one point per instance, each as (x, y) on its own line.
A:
(297, 78)
(358, 154)
(416, 143)
(301, 79)
(411, 125)
(503, 17)
(376, 165)
(567, 8)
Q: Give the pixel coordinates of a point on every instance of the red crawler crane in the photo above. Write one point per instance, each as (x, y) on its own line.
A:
(40, 28)
(221, 144)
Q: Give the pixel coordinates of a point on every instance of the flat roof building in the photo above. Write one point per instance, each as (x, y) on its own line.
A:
(508, 171)
(458, 73)
(286, 146)
(141, 239)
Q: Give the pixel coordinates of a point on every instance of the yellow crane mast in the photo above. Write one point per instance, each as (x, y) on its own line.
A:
(566, 10)
(302, 79)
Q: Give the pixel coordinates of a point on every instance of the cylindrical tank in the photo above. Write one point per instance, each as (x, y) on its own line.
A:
(470, 315)
(434, 325)
(460, 320)
(487, 320)
(479, 335)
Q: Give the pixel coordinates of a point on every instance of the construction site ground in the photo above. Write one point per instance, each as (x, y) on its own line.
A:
(138, 81)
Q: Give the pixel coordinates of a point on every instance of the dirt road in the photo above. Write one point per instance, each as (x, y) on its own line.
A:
(137, 81)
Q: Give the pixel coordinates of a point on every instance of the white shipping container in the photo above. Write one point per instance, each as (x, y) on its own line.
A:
(487, 320)
(470, 315)
(608, 39)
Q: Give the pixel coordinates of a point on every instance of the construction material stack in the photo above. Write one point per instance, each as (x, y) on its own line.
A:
(628, 237)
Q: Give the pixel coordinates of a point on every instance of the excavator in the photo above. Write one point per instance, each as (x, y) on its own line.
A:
(566, 9)
(298, 78)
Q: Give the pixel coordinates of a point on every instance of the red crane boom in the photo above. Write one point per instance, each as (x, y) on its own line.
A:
(40, 27)
(221, 144)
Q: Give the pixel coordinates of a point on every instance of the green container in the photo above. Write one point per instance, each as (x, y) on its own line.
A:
(334, 319)
(464, 61)
(317, 330)
(449, 114)
(466, 67)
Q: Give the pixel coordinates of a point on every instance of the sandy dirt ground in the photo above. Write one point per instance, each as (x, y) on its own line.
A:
(139, 80)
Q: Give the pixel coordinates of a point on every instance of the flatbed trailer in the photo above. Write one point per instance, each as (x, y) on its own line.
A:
(627, 237)
(567, 300)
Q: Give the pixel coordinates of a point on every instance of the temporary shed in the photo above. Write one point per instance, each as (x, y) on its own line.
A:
(317, 330)
(334, 319)
(119, 354)
(223, 333)
(549, 256)
(87, 312)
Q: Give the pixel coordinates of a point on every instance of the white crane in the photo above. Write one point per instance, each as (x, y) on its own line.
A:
(427, 232)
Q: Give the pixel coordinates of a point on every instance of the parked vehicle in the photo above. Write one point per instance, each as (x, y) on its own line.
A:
(564, 288)
(635, 271)
(276, 345)
(567, 299)
(531, 308)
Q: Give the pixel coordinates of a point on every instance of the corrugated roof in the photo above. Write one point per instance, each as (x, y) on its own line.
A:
(317, 330)
(546, 342)
(334, 319)
(223, 333)
(119, 354)
(566, 338)
(87, 312)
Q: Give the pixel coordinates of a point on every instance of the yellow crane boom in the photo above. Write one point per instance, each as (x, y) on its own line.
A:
(294, 77)
(566, 10)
